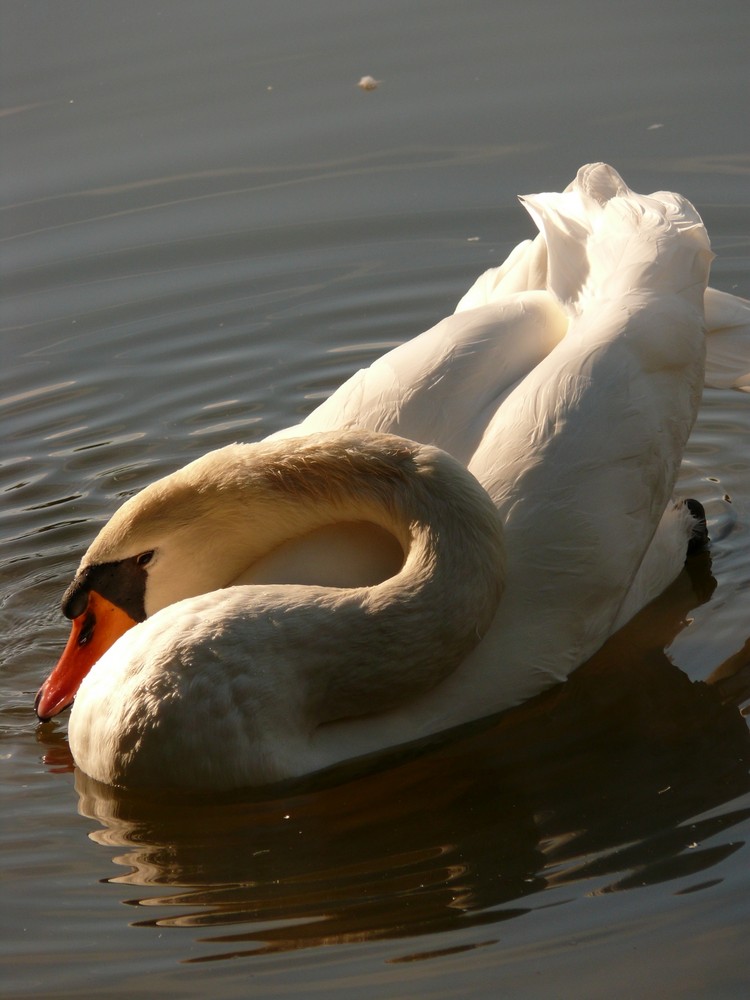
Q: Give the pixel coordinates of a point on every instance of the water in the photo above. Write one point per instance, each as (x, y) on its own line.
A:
(206, 227)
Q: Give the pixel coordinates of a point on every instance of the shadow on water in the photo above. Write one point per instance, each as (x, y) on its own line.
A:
(612, 781)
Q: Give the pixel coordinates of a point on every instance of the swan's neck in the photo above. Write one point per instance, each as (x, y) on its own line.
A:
(220, 520)
(404, 634)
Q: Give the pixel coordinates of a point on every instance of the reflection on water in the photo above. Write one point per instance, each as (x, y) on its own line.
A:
(592, 788)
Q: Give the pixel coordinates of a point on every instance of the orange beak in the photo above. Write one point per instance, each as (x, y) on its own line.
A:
(93, 632)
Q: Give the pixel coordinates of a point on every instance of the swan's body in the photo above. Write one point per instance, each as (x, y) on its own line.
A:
(567, 382)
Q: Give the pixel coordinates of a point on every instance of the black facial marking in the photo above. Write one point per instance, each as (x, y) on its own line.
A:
(123, 583)
(76, 598)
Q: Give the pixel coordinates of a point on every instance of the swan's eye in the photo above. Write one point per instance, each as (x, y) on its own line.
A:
(144, 558)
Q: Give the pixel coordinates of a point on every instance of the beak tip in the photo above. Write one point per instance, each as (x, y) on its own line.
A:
(45, 707)
(99, 624)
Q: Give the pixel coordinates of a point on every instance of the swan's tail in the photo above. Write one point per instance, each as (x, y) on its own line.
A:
(570, 220)
(604, 240)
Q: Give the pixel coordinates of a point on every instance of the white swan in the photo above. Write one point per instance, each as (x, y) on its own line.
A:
(571, 405)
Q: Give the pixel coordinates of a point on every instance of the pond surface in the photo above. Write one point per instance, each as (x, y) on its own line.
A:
(207, 226)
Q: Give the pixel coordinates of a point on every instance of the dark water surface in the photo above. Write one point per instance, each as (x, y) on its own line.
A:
(206, 227)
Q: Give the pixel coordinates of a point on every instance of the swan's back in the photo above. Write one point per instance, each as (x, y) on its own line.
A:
(582, 457)
(444, 386)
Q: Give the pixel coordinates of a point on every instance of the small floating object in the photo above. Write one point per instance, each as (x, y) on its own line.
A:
(369, 83)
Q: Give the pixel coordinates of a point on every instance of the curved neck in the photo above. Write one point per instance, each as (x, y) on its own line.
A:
(403, 635)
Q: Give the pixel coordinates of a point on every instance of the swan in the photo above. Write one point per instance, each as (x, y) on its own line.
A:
(274, 609)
